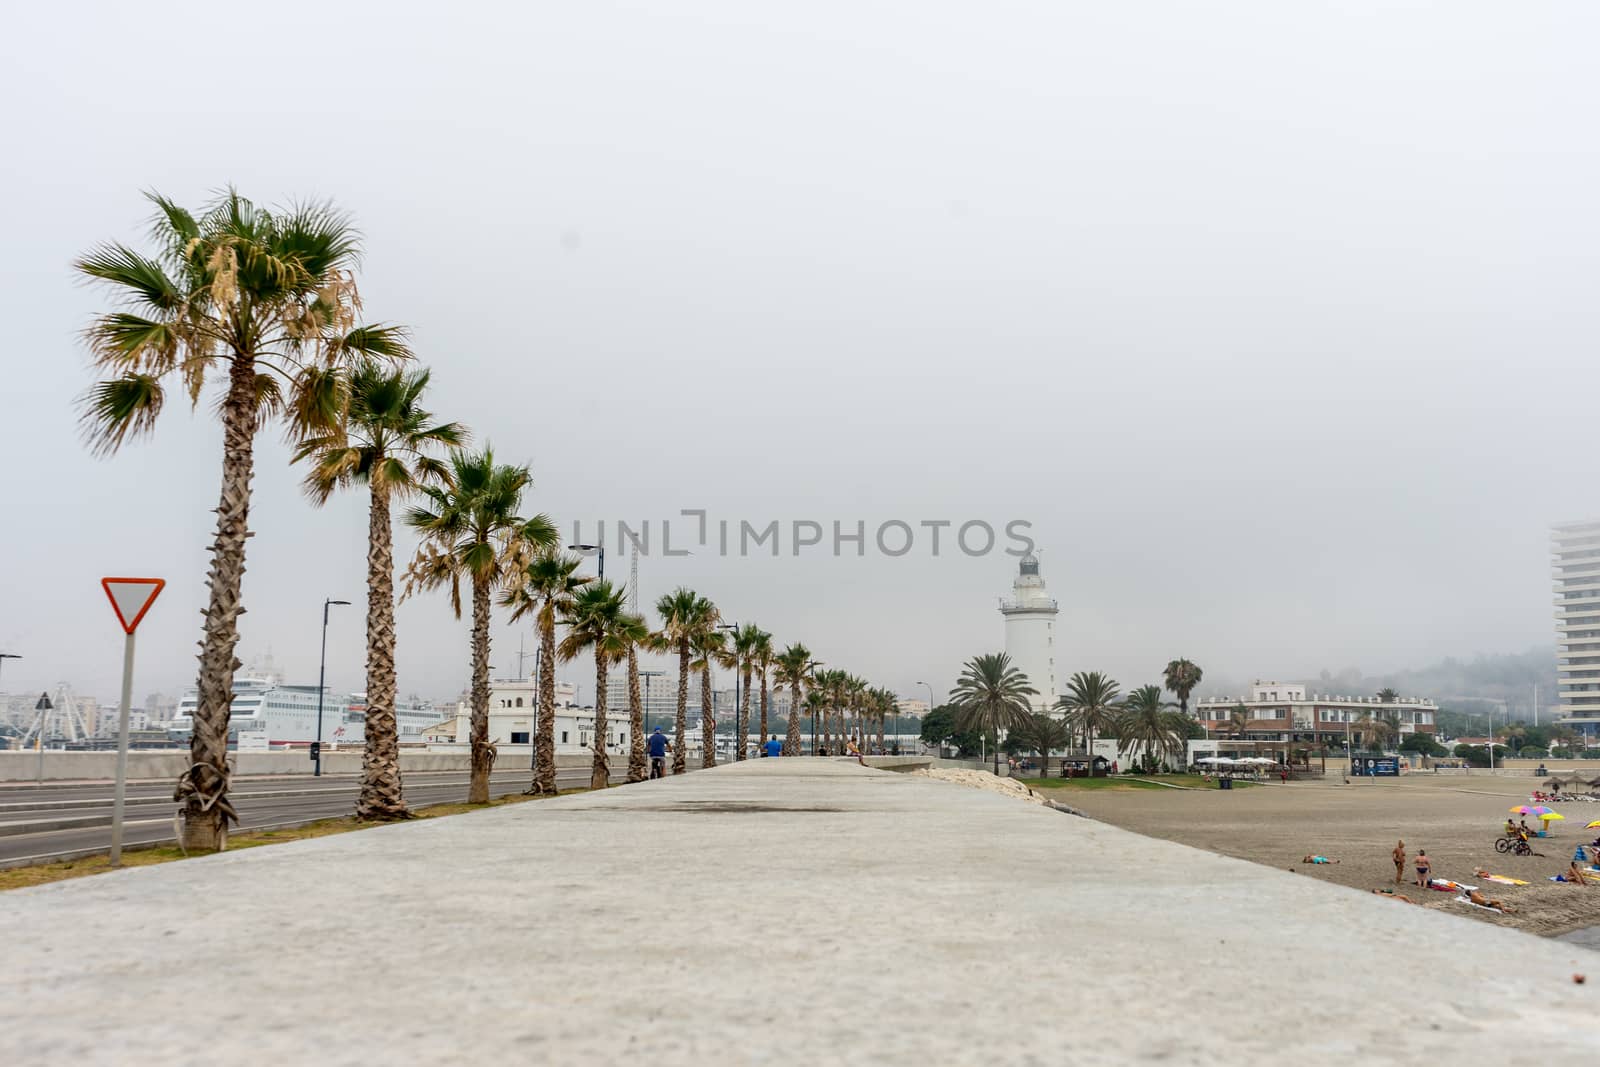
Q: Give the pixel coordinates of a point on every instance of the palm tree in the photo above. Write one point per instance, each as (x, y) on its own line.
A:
(1374, 730)
(1041, 733)
(1090, 705)
(1148, 721)
(268, 302)
(685, 614)
(385, 443)
(1238, 721)
(594, 620)
(710, 647)
(745, 641)
(1387, 695)
(471, 530)
(763, 656)
(991, 695)
(884, 705)
(634, 634)
(793, 671)
(544, 586)
(1181, 678)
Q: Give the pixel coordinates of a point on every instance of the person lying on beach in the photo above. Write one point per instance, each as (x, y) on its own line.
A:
(1318, 859)
(1390, 893)
(1484, 902)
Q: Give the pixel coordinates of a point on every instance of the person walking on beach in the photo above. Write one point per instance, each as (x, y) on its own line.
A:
(1424, 865)
(1399, 855)
(659, 747)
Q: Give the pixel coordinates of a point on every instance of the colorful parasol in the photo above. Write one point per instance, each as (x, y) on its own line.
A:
(1548, 815)
(1530, 809)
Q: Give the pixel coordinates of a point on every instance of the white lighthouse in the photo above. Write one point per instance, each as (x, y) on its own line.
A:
(1030, 616)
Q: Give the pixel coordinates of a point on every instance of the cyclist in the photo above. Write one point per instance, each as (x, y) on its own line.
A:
(659, 747)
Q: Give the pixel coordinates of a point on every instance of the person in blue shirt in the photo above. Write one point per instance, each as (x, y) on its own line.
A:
(659, 747)
(773, 747)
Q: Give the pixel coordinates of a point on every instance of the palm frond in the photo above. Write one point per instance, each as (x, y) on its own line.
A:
(115, 410)
(139, 278)
(374, 342)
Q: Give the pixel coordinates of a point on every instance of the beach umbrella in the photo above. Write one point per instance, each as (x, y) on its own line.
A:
(1592, 825)
(1548, 815)
(1529, 809)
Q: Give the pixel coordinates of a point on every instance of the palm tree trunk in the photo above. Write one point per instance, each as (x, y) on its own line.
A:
(600, 768)
(679, 760)
(482, 751)
(761, 738)
(708, 720)
(791, 740)
(381, 794)
(203, 788)
(544, 746)
(638, 766)
(744, 719)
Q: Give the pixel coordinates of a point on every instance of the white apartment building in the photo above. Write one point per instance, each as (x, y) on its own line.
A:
(1575, 568)
(1285, 711)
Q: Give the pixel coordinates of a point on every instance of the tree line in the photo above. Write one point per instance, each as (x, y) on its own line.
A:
(260, 308)
(991, 697)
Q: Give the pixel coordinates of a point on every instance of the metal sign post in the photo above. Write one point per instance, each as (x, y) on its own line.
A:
(130, 599)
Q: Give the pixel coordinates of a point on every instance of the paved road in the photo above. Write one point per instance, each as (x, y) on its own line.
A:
(75, 819)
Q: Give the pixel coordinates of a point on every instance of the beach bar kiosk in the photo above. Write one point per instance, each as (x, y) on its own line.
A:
(1084, 765)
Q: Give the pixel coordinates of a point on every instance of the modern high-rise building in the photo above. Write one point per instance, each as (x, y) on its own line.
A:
(1575, 566)
(1030, 616)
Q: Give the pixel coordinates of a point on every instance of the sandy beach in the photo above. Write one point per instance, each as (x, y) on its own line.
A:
(1456, 819)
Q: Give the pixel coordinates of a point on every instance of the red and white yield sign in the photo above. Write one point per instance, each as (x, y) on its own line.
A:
(131, 598)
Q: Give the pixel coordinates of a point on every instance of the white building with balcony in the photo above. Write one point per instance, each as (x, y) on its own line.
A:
(1575, 568)
(1030, 615)
(1286, 712)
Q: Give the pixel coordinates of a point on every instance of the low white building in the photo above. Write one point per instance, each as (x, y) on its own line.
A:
(513, 718)
(1285, 711)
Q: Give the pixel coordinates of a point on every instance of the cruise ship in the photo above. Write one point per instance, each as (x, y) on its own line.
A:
(411, 717)
(287, 715)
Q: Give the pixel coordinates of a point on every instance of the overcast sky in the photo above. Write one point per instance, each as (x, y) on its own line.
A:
(1276, 321)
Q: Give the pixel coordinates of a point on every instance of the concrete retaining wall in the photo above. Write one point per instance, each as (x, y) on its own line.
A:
(98, 766)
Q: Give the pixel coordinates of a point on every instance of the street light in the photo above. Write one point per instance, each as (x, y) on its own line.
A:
(593, 548)
(647, 675)
(322, 675)
(809, 666)
(738, 719)
(930, 705)
(7, 655)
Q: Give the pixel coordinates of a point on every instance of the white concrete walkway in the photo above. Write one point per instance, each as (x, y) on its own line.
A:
(777, 911)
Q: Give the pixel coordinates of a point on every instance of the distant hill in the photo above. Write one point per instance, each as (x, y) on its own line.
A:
(1500, 683)
(1502, 680)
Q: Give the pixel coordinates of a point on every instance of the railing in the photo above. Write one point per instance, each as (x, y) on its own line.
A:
(1013, 604)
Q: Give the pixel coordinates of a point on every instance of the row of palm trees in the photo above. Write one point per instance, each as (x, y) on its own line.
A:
(991, 696)
(265, 304)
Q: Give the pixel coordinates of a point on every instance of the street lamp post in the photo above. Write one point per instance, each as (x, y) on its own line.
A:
(738, 718)
(930, 705)
(322, 676)
(809, 666)
(647, 675)
(593, 548)
(7, 655)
